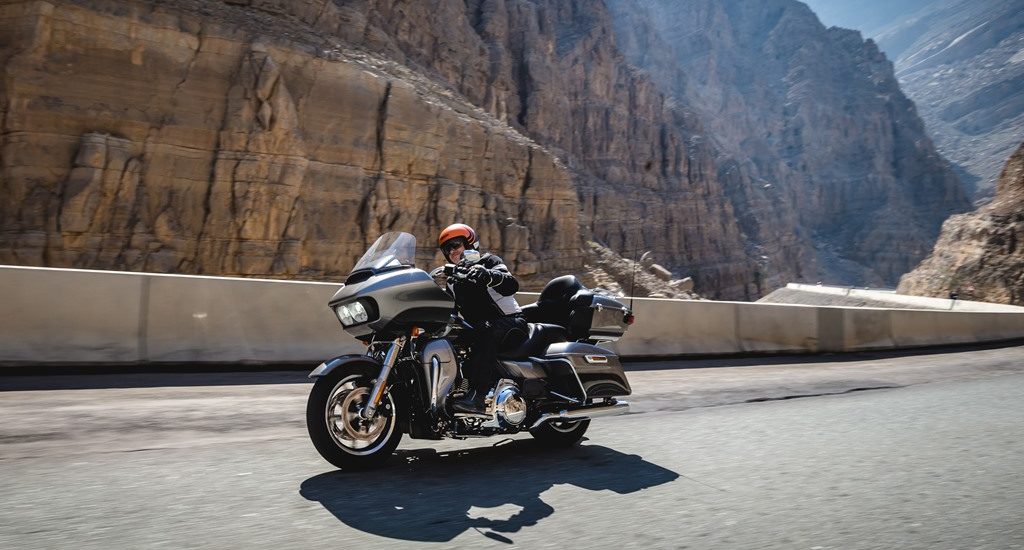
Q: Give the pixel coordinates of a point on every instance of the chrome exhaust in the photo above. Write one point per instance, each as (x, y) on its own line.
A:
(585, 413)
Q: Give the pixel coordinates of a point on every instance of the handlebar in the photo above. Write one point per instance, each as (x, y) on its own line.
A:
(457, 271)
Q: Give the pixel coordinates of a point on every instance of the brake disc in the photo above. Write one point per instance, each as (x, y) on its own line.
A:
(353, 422)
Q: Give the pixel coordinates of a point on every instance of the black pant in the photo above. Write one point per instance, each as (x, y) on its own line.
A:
(501, 334)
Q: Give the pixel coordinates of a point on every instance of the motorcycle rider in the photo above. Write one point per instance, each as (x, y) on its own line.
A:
(484, 292)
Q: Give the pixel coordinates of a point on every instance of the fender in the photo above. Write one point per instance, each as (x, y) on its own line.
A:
(349, 360)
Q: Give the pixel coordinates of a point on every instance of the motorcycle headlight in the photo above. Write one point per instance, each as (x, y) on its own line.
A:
(344, 316)
(358, 312)
(352, 313)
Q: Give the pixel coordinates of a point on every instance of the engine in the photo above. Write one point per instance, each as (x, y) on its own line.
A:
(509, 406)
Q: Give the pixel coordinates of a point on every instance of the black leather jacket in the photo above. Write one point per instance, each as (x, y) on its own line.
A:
(486, 301)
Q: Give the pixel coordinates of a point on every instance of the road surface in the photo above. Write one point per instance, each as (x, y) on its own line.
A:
(864, 451)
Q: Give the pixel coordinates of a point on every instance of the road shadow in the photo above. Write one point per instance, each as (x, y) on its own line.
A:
(427, 496)
(89, 378)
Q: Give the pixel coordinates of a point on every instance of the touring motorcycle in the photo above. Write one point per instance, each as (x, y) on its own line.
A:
(552, 384)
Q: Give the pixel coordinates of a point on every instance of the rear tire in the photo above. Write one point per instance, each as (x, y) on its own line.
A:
(337, 431)
(560, 434)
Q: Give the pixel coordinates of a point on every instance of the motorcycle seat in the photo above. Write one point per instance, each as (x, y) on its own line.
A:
(541, 335)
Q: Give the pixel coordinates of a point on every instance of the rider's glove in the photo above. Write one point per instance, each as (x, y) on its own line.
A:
(439, 277)
(460, 272)
(479, 275)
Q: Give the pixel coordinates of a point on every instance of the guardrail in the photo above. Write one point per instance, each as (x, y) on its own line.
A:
(890, 296)
(51, 316)
(675, 327)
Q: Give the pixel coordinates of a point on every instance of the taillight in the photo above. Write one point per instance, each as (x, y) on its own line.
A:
(629, 318)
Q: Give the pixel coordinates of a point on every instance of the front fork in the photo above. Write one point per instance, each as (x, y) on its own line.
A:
(390, 358)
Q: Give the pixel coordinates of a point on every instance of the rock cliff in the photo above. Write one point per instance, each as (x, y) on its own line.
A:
(826, 160)
(962, 64)
(980, 255)
(263, 138)
(277, 139)
(551, 69)
(183, 138)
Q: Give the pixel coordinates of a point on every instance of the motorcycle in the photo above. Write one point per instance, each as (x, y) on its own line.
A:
(551, 385)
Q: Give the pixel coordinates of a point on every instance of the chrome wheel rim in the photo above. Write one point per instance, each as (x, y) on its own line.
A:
(564, 426)
(348, 429)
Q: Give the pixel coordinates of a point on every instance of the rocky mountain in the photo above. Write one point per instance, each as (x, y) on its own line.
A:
(277, 139)
(552, 70)
(962, 63)
(827, 161)
(183, 138)
(980, 255)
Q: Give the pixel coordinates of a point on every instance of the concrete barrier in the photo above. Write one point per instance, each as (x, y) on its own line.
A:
(674, 327)
(50, 316)
(923, 328)
(921, 302)
(64, 315)
(225, 320)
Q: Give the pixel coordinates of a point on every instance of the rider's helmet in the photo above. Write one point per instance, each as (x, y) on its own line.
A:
(458, 231)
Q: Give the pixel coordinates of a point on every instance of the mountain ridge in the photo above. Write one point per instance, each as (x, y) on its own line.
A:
(779, 92)
(261, 138)
(962, 62)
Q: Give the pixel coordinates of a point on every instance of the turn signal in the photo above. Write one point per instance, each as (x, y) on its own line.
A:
(416, 331)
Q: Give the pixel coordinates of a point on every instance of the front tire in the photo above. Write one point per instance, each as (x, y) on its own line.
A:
(339, 434)
(560, 434)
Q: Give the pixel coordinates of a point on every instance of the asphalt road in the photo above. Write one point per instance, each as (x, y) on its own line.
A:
(879, 451)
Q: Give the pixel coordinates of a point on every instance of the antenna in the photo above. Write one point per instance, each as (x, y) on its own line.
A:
(636, 261)
(632, 282)
(636, 251)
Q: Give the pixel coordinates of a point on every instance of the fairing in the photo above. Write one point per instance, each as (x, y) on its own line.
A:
(401, 298)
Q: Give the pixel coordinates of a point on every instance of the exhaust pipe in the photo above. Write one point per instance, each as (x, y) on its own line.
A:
(585, 413)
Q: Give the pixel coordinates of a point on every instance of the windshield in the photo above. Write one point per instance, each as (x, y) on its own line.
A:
(392, 249)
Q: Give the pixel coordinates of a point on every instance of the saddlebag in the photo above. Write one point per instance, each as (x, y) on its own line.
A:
(599, 370)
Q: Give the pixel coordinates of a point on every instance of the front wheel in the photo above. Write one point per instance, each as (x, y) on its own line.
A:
(560, 433)
(336, 428)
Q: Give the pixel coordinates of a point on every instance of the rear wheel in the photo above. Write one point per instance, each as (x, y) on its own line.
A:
(338, 431)
(560, 433)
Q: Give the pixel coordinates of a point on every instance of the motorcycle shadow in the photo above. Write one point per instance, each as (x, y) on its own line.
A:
(424, 495)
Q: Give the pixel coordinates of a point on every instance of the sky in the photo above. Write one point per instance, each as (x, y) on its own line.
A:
(867, 16)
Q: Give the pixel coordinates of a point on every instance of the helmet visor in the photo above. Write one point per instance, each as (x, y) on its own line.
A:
(452, 244)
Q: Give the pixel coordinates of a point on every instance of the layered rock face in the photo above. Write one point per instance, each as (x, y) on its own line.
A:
(260, 138)
(980, 255)
(551, 69)
(278, 139)
(825, 158)
(169, 140)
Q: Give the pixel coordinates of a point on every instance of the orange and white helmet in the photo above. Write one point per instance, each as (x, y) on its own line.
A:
(455, 231)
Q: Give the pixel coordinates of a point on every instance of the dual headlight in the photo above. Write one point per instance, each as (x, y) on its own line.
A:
(352, 313)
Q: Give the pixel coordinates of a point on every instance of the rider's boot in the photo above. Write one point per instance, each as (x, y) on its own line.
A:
(472, 402)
